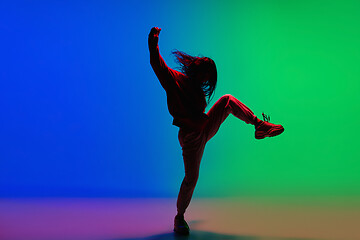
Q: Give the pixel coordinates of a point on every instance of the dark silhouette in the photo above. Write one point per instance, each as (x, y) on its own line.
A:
(186, 99)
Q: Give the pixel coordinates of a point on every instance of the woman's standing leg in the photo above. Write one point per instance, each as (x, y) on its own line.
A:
(193, 144)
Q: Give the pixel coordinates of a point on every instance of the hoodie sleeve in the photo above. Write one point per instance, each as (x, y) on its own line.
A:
(162, 71)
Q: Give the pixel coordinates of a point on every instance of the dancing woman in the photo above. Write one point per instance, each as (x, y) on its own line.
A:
(188, 93)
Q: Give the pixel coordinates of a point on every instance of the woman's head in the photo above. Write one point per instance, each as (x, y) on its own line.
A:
(200, 70)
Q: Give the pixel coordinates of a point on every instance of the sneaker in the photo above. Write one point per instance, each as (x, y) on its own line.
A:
(180, 226)
(266, 129)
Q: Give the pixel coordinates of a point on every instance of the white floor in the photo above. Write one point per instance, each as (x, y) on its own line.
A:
(218, 219)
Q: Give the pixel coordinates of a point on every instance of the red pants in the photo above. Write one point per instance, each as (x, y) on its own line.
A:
(193, 143)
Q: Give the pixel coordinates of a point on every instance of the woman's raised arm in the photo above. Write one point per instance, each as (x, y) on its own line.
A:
(162, 71)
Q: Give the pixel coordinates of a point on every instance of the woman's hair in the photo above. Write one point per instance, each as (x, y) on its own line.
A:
(191, 66)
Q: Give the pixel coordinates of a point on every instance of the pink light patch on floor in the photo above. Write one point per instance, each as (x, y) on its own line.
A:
(119, 219)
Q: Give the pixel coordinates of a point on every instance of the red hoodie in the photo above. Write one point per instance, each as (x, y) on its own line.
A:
(186, 101)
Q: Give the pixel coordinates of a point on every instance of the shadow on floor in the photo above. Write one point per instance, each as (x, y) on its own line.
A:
(201, 235)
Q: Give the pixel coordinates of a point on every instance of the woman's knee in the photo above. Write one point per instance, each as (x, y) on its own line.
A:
(226, 97)
(191, 180)
(226, 100)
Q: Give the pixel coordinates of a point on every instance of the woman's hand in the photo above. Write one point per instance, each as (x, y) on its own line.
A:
(154, 36)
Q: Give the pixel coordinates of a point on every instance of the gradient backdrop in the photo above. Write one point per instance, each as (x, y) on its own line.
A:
(83, 114)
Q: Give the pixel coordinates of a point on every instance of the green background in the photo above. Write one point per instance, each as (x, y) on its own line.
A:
(297, 61)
